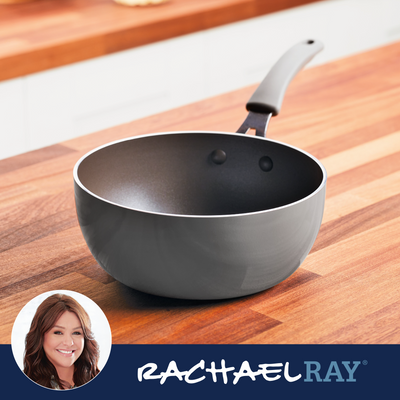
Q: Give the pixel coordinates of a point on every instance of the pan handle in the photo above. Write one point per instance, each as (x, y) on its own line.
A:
(266, 101)
(268, 97)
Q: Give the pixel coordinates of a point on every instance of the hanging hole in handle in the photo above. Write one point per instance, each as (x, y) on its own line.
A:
(310, 41)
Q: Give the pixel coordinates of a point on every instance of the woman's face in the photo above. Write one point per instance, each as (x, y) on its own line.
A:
(64, 342)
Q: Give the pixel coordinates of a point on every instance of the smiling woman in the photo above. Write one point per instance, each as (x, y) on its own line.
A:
(60, 349)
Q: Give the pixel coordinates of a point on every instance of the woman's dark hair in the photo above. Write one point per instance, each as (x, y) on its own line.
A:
(36, 364)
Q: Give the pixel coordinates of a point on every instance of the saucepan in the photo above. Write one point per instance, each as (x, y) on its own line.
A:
(205, 215)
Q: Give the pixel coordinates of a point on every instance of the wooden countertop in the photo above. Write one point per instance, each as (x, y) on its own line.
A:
(346, 113)
(44, 34)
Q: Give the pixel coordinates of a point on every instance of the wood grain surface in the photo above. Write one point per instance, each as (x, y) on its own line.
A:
(44, 34)
(346, 113)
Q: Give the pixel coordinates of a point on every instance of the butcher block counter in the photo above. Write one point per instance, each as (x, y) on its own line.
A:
(42, 34)
(346, 113)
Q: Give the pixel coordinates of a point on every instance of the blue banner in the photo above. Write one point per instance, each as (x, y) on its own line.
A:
(229, 371)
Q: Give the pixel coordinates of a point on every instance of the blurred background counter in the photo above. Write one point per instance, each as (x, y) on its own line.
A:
(72, 67)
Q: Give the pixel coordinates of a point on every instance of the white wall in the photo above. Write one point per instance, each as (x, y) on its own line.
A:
(48, 107)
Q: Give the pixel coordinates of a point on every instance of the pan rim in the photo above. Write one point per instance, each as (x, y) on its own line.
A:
(199, 216)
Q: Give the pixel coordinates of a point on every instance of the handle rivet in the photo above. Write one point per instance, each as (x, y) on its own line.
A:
(266, 164)
(218, 156)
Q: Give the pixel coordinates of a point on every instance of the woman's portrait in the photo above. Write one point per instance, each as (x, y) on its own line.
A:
(60, 348)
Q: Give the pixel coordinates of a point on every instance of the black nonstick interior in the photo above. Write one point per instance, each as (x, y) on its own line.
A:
(200, 174)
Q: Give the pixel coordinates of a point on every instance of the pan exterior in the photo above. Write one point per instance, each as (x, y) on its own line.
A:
(197, 257)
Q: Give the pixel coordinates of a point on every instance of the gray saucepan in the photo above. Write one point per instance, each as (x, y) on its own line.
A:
(205, 215)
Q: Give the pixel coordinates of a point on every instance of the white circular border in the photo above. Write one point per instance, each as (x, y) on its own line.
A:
(100, 326)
